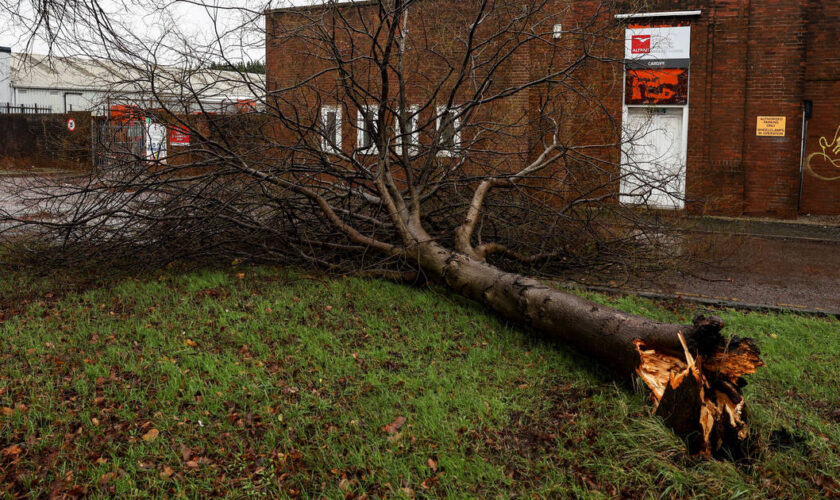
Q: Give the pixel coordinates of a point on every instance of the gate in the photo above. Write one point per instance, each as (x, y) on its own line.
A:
(120, 144)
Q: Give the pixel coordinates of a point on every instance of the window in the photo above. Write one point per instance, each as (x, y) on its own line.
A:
(366, 129)
(330, 129)
(411, 136)
(448, 128)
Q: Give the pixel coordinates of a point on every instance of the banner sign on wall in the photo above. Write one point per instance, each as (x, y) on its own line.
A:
(664, 47)
(656, 87)
(179, 136)
(155, 141)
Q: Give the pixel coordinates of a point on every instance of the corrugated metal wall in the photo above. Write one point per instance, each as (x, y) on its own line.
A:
(61, 101)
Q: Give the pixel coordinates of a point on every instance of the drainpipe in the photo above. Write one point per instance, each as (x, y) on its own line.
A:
(807, 111)
(6, 75)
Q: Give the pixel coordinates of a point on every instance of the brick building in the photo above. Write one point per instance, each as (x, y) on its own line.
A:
(724, 91)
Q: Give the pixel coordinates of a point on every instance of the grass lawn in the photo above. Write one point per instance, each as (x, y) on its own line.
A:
(258, 381)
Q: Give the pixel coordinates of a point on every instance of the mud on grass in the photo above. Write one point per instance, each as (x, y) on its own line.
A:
(259, 381)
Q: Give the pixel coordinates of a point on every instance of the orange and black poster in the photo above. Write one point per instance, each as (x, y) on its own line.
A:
(656, 86)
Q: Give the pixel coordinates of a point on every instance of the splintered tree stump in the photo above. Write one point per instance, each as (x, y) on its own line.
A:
(698, 393)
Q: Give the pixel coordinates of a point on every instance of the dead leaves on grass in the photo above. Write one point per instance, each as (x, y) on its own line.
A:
(151, 435)
(11, 451)
(394, 426)
(166, 472)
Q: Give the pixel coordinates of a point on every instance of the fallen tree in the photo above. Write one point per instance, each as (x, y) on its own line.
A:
(438, 125)
(695, 375)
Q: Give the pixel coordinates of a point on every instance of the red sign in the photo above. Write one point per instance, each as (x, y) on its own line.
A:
(124, 113)
(656, 86)
(179, 136)
(640, 44)
(71, 124)
(246, 105)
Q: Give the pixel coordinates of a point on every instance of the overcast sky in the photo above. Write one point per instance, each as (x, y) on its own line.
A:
(199, 21)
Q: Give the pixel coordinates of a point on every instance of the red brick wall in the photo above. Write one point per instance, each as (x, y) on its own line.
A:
(821, 195)
(774, 87)
(748, 59)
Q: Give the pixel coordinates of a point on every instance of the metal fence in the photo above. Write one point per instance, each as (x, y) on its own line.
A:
(7, 109)
(119, 143)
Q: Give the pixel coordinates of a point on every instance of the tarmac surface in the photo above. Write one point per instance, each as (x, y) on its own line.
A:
(775, 264)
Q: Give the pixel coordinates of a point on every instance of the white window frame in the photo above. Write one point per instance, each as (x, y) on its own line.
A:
(456, 123)
(325, 144)
(414, 136)
(360, 129)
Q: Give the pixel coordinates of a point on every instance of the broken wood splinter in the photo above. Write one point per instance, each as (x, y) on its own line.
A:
(698, 392)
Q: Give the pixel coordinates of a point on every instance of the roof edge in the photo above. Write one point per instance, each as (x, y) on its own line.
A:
(647, 15)
(322, 6)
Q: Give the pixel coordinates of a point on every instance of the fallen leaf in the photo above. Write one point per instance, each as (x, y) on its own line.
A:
(432, 464)
(240, 275)
(107, 477)
(101, 461)
(94, 421)
(407, 492)
(6, 411)
(151, 435)
(166, 472)
(186, 453)
(191, 342)
(192, 464)
(11, 451)
(394, 426)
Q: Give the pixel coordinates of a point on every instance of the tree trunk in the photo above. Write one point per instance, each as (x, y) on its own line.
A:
(694, 374)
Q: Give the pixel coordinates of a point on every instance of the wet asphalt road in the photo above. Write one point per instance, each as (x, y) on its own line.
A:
(795, 273)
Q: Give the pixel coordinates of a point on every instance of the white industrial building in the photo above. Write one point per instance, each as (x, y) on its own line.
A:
(64, 84)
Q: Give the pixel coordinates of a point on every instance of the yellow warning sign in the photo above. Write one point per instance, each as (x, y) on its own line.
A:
(770, 126)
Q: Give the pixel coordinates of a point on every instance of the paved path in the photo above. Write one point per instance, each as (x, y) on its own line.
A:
(769, 270)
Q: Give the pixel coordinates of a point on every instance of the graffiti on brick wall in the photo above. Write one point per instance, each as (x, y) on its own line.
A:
(825, 164)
